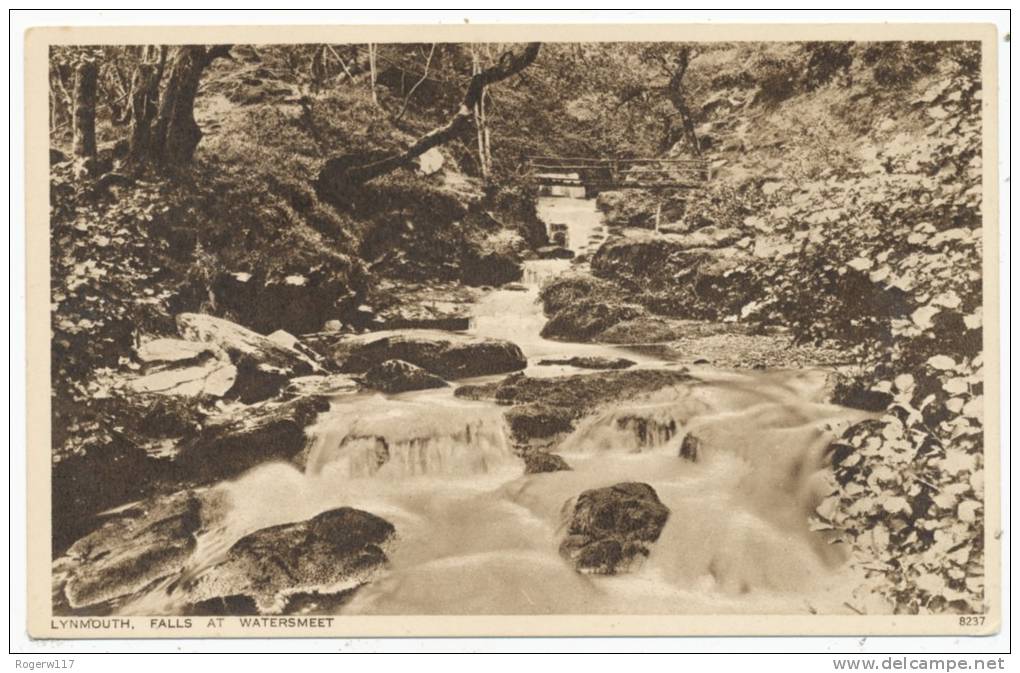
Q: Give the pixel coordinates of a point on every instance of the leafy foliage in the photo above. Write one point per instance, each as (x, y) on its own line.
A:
(883, 254)
(109, 280)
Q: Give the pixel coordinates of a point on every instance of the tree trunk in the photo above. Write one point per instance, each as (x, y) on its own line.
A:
(335, 175)
(485, 131)
(84, 126)
(144, 101)
(677, 96)
(176, 134)
(317, 70)
(479, 116)
(372, 71)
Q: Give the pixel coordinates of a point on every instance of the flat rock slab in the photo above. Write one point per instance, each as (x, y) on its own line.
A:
(590, 362)
(144, 544)
(165, 350)
(324, 385)
(241, 343)
(333, 552)
(214, 377)
(611, 529)
(445, 354)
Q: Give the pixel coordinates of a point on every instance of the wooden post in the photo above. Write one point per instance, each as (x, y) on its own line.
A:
(658, 215)
(86, 77)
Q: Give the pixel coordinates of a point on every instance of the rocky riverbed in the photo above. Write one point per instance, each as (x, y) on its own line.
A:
(557, 433)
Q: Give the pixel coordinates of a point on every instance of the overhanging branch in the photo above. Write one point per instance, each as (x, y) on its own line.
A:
(509, 64)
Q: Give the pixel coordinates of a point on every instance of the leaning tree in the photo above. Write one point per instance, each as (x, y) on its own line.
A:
(341, 173)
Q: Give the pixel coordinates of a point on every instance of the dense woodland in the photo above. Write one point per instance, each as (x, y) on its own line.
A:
(284, 187)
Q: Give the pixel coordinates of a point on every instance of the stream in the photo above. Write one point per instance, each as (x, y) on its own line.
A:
(477, 536)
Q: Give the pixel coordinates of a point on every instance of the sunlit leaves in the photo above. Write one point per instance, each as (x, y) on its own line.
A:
(896, 279)
(941, 362)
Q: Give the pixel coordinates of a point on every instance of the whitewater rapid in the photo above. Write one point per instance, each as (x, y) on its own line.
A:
(477, 536)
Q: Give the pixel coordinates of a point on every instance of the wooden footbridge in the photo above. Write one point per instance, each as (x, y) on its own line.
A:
(597, 175)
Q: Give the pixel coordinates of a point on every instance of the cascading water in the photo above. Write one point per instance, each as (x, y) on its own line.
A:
(476, 535)
(375, 436)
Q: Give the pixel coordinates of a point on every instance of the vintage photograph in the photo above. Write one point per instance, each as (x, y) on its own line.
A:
(517, 328)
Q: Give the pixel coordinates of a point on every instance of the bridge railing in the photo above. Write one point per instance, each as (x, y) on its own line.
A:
(604, 173)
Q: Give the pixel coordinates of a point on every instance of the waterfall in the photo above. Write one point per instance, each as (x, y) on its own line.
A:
(421, 436)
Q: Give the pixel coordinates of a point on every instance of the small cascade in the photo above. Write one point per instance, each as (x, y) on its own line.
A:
(574, 223)
(628, 429)
(537, 271)
(392, 439)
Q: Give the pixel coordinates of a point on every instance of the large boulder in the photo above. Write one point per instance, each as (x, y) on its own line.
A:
(138, 547)
(263, 365)
(244, 436)
(397, 376)
(587, 319)
(636, 255)
(537, 421)
(447, 355)
(646, 329)
(610, 529)
(333, 552)
(491, 268)
(569, 289)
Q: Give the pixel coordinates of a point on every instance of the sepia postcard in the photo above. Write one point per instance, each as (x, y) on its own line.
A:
(467, 330)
